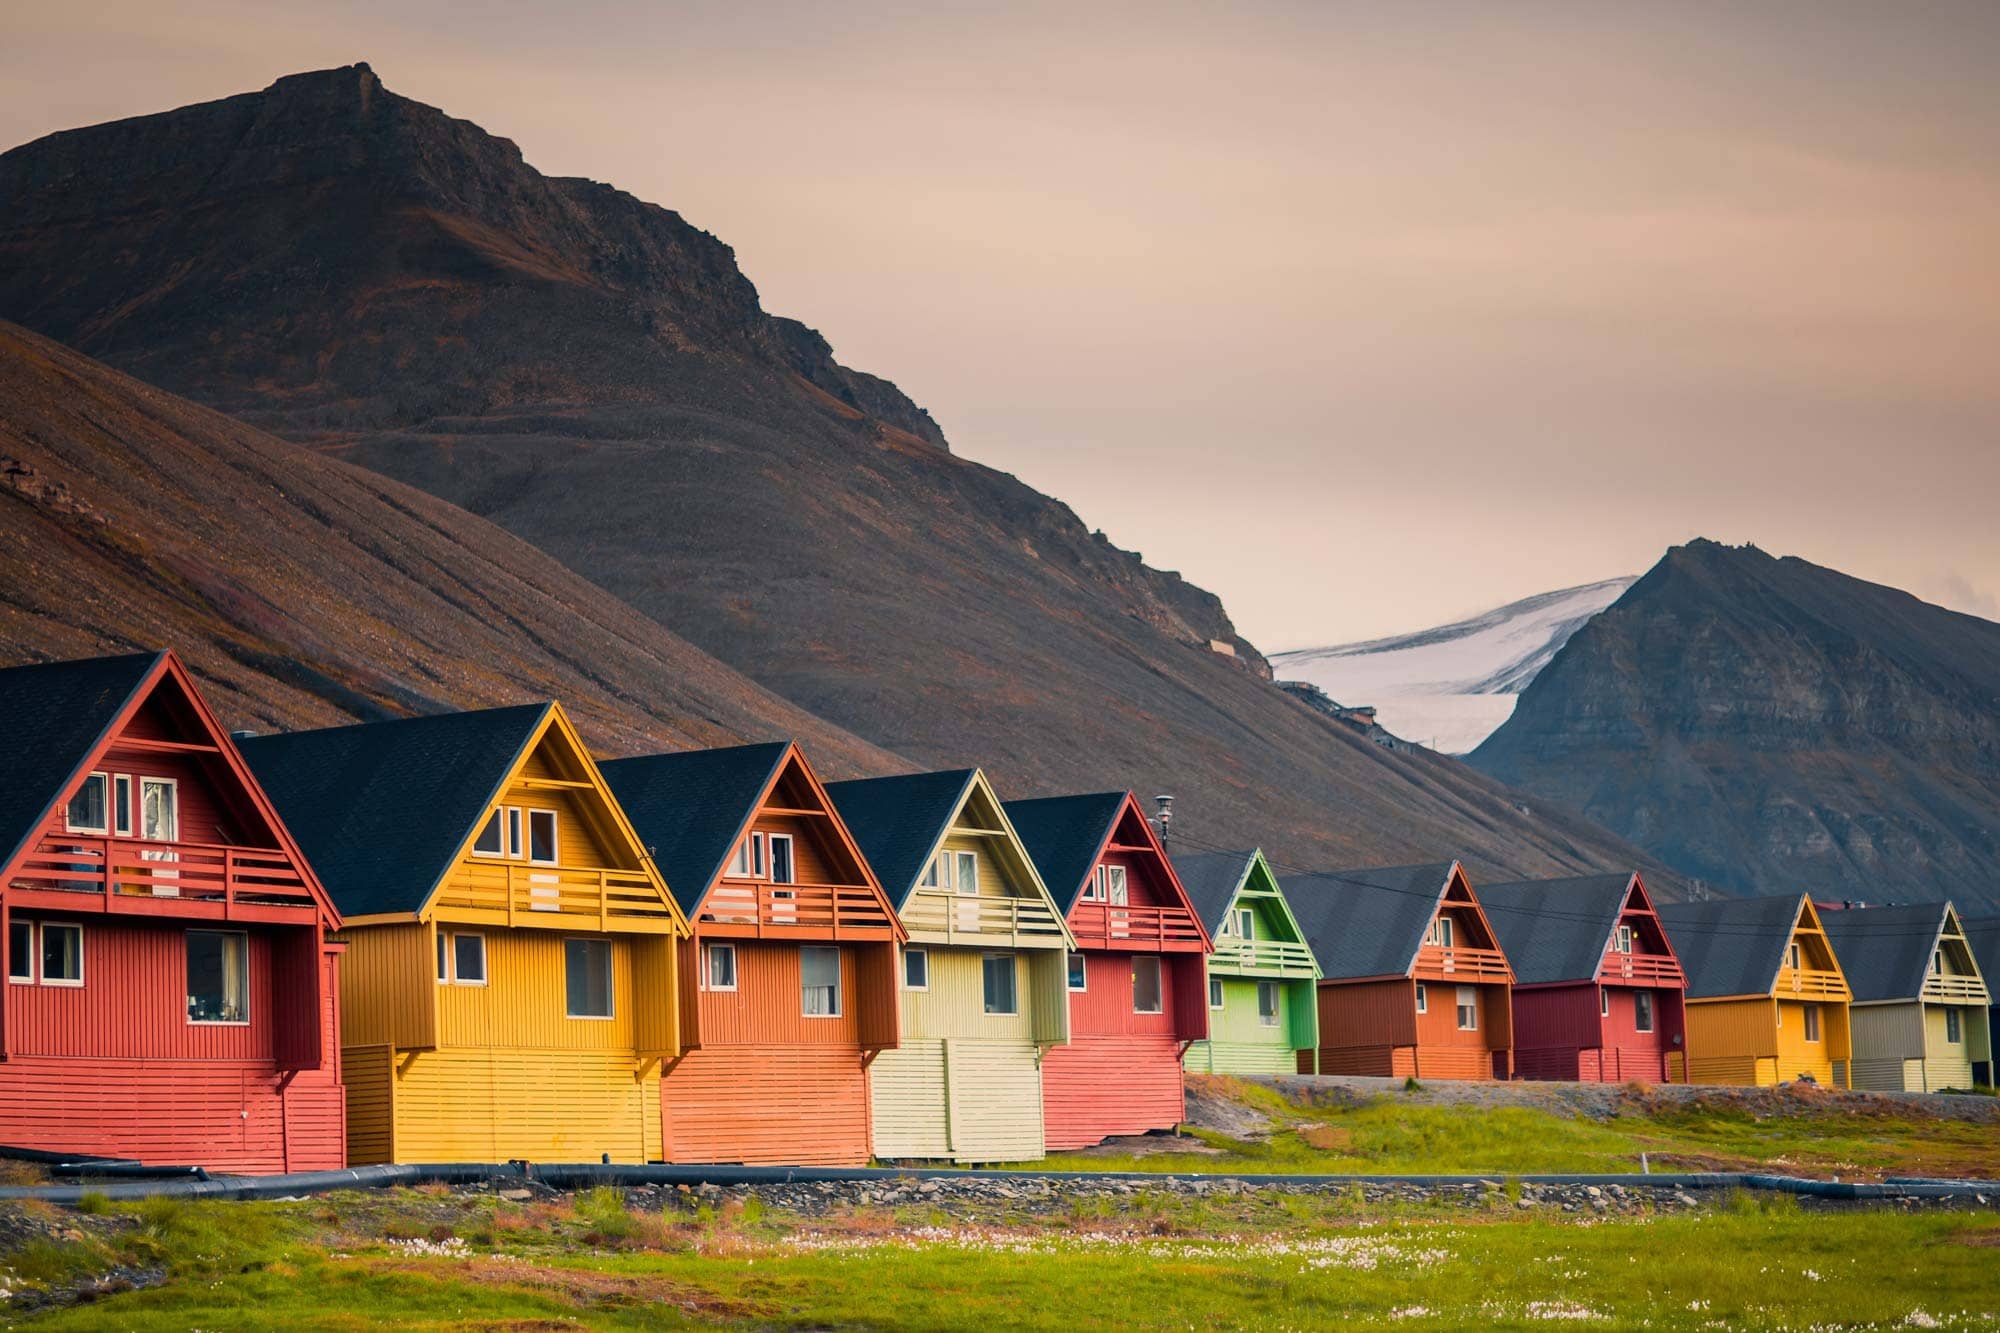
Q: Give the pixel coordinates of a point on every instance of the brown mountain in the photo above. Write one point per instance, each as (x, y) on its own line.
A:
(356, 270)
(1770, 726)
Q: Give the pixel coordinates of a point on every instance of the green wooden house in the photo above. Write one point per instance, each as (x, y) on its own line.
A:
(1919, 1012)
(1262, 978)
(984, 987)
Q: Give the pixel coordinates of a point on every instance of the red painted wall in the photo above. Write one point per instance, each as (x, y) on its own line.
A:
(1562, 1034)
(1121, 1072)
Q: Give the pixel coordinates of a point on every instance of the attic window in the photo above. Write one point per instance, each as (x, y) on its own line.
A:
(89, 807)
(1624, 939)
(1246, 923)
(1792, 955)
(1937, 962)
(965, 879)
(1441, 932)
(542, 843)
(748, 863)
(1114, 881)
(489, 842)
(783, 869)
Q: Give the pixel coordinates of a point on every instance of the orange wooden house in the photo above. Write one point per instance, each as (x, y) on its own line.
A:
(788, 986)
(1414, 982)
(170, 968)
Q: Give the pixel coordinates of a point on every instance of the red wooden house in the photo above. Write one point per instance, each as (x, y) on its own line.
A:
(1138, 990)
(1598, 993)
(170, 987)
(788, 986)
(1414, 983)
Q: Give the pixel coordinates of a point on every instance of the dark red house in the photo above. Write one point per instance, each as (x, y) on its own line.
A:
(1137, 989)
(171, 988)
(1598, 993)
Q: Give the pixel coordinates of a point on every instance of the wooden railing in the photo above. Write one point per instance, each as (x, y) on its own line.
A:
(1275, 957)
(1794, 983)
(940, 912)
(1641, 969)
(119, 870)
(1467, 965)
(756, 908)
(1954, 988)
(1103, 926)
(517, 893)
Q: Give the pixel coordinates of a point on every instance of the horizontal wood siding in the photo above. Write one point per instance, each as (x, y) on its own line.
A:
(1365, 1061)
(1889, 1073)
(491, 1105)
(1227, 1057)
(1099, 1086)
(768, 1105)
(1565, 1064)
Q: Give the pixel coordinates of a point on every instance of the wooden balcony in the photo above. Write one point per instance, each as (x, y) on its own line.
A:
(939, 916)
(1807, 983)
(145, 877)
(756, 909)
(1467, 966)
(1640, 969)
(1151, 929)
(1951, 988)
(1266, 958)
(517, 893)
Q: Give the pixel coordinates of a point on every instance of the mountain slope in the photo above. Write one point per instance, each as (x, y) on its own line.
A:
(1449, 687)
(306, 592)
(1770, 725)
(361, 272)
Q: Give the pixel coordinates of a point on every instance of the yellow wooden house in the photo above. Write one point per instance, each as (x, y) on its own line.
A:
(510, 983)
(1767, 1001)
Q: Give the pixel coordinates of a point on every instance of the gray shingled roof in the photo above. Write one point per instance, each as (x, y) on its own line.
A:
(53, 716)
(692, 808)
(1555, 929)
(1212, 880)
(897, 820)
(381, 809)
(1731, 946)
(1983, 934)
(1885, 951)
(1367, 923)
(1064, 835)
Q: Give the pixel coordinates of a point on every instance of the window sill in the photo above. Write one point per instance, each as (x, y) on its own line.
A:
(218, 1022)
(593, 1018)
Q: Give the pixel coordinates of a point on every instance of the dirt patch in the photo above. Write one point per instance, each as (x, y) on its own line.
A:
(1217, 1104)
(1141, 1145)
(1327, 1138)
(578, 1286)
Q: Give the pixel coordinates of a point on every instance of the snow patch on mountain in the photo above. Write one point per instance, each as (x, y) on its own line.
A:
(1452, 686)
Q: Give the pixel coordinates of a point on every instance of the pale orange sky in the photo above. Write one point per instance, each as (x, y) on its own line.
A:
(1363, 316)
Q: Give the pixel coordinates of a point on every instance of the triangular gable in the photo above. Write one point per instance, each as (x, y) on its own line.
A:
(162, 684)
(1260, 868)
(1456, 891)
(1885, 952)
(982, 808)
(1637, 898)
(1132, 832)
(1808, 922)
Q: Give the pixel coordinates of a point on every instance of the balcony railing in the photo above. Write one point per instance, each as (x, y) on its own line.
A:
(514, 893)
(1268, 957)
(1103, 926)
(1953, 988)
(755, 909)
(1641, 969)
(1468, 965)
(124, 871)
(939, 914)
(1805, 981)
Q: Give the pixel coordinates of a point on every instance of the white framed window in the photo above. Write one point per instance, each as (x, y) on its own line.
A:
(1792, 955)
(719, 966)
(62, 953)
(218, 977)
(1215, 992)
(996, 976)
(88, 810)
(1114, 884)
(1642, 1011)
(544, 848)
(1246, 923)
(461, 959)
(819, 972)
(1267, 1003)
(514, 832)
(1937, 962)
(1604, 1001)
(1468, 1009)
(587, 977)
(1093, 888)
(1079, 974)
(492, 839)
(748, 860)
(159, 809)
(1147, 996)
(783, 869)
(1441, 930)
(1624, 939)
(121, 804)
(1423, 998)
(930, 879)
(965, 874)
(21, 952)
(1812, 1022)
(1953, 1032)
(916, 969)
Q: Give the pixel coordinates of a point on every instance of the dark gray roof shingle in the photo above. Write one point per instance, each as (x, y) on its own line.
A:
(1063, 835)
(1731, 946)
(1212, 880)
(1555, 929)
(52, 718)
(1885, 951)
(1367, 923)
(381, 809)
(897, 820)
(1983, 934)
(692, 808)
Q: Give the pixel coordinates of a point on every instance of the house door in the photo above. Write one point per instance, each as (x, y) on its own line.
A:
(160, 821)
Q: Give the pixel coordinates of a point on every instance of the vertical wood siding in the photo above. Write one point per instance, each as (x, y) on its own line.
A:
(767, 1006)
(1370, 1014)
(1239, 1043)
(1732, 1041)
(369, 1073)
(553, 1105)
(768, 1105)
(1102, 1085)
(525, 1000)
(1104, 1007)
(1796, 1055)
(388, 987)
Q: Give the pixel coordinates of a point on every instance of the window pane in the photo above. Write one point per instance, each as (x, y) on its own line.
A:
(998, 970)
(1423, 998)
(722, 966)
(916, 969)
(1444, 931)
(1812, 1022)
(62, 954)
(444, 973)
(930, 880)
(1146, 985)
(217, 976)
(1115, 877)
(468, 958)
(488, 842)
(542, 836)
(159, 810)
(1215, 992)
(587, 977)
(86, 808)
(514, 831)
(121, 805)
(781, 860)
(1642, 1011)
(21, 950)
(967, 879)
(1247, 924)
(1267, 1003)
(819, 969)
(1951, 1026)
(1078, 977)
(1468, 1009)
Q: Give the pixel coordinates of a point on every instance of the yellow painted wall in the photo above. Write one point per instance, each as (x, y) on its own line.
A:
(1731, 1041)
(524, 1000)
(954, 1005)
(1798, 1056)
(545, 1105)
(387, 997)
(1949, 1064)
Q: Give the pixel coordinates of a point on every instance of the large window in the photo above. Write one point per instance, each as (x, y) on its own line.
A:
(88, 809)
(1246, 923)
(1642, 1011)
(1079, 974)
(820, 975)
(965, 878)
(1441, 932)
(1812, 1022)
(21, 951)
(1267, 1003)
(916, 969)
(461, 959)
(587, 977)
(543, 848)
(719, 966)
(1146, 994)
(997, 977)
(1468, 1009)
(218, 976)
(62, 954)
(783, 871)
